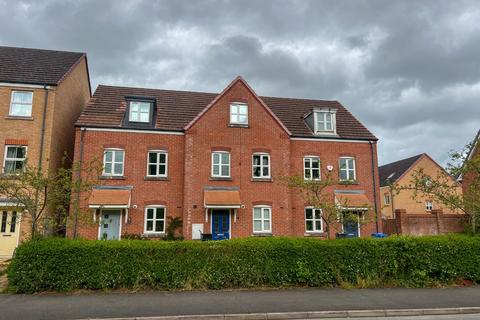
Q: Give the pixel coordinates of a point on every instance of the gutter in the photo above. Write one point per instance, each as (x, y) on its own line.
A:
(374, 187)
(79, 181)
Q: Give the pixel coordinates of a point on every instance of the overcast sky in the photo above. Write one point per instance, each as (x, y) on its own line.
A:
(409, 70)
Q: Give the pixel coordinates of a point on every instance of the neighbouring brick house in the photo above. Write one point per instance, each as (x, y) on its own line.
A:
(401, 173)
(474, 152)
(215, 161)
(42, 93)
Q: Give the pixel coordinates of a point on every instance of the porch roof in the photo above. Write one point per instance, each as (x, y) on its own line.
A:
(109, 198)
(352, 201)
(222, 199)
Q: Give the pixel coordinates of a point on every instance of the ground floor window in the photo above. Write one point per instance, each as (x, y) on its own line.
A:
(155, 220)
(262, 219)
(313, 220)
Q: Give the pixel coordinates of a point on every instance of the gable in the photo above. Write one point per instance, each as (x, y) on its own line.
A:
(429, 166)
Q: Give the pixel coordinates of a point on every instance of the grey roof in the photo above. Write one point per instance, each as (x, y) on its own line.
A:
(394, 170)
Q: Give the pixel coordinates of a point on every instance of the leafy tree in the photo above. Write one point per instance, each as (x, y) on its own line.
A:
(442, 189)
(39, 195)
(319, 195)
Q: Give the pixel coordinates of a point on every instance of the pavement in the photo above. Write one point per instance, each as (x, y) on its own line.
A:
(301, 303)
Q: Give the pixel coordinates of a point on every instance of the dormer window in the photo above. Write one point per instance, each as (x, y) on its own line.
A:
(239, 113)
(140, 111)
(325, 121)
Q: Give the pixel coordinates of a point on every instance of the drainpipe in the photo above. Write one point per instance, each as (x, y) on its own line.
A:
(42, 134)
(79, 181)
(374, 186)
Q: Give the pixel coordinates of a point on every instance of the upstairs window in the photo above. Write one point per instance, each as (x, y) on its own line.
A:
(157, 163)
(325, 121)
(311, 168)
(239, 113)
(140, 111)
(347, 169)
(428, 205)
(220, 164)
(261, 166)
(15, 157)
(21, 104)
(113, 162)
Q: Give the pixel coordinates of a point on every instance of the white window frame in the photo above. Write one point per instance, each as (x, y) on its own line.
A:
(238, 113)
(428, 206)
(113, 174)
(155, 207)
(12, 102)
(139, 112)
(157, 164)
(347, 169)
(220, 164)
(261, 165)
(262, 219)
(333, 118)
(5, 159)
(313, 220)
(386, 199)
(310, 158)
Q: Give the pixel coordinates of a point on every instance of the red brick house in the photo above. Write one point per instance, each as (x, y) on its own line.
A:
(215, 161)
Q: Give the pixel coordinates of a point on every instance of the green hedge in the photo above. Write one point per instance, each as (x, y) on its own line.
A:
(65, 265)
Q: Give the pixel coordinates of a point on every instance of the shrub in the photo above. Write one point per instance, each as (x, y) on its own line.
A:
(64, 265)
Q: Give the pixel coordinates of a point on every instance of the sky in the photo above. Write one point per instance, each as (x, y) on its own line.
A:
(408, 70)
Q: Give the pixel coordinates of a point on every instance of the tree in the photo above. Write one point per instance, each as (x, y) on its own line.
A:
(318, 194)
(39, 195)
(442, 189)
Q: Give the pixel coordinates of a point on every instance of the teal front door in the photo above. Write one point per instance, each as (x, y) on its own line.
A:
(110, 224)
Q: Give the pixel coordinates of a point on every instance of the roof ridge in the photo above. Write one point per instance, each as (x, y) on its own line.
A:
(41, 49)
(401, 160)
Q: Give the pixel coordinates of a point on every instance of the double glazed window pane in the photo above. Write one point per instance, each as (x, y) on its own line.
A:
(221, 164)
(157, 164)
(324, 121)
(239, 113)
(261, 166)
(262, 220)
(21, 104)
(113, 162)
(155, 220)
(139, 111)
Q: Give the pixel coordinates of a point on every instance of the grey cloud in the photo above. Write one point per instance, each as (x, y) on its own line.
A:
(409, 70)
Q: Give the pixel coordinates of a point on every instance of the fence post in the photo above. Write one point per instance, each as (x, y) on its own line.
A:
(439, 218)
(400, 216)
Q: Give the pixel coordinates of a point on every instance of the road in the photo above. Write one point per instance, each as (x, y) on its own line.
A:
(110, 305)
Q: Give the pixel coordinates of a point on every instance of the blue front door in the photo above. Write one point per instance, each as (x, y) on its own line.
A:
(220, 224)
(351, 228)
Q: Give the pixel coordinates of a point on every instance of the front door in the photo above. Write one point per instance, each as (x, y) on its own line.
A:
(220, 224)
(9, 232)
(110, 224)
(351, 224)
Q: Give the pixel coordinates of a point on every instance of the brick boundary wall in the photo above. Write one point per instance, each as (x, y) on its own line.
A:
(424, 224)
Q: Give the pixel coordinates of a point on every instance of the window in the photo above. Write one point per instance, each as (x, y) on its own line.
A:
(4, 221)
(155, 220)
(347, 169)
(14, 159)
(21, 104)
(239, 113)
(157, 163)
(113, 162)
(139, 111)
(311, 168)
(221, 164)
(386, 199)
(324, 121)
(262, 219)
(13, 222)
(428, 205)
(261, 166)
(313, 220)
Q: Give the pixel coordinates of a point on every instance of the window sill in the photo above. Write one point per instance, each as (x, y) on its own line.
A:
(6, 176)
(348, 182)
(220, 179)
(317, 234)
(262, 180)
(153, 235)
(152, 178)
(237, 125)
(18, 118)
(113, 177)
(262, 234)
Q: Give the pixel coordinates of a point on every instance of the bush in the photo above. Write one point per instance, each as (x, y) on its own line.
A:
(64, 265)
